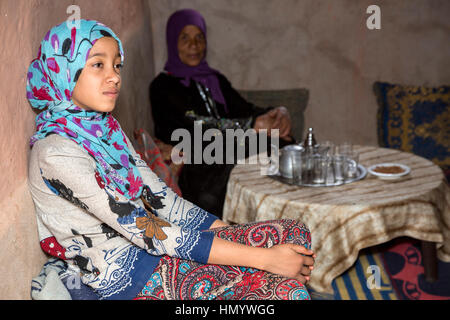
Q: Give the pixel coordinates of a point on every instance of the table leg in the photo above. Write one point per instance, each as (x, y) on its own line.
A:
(430, 260)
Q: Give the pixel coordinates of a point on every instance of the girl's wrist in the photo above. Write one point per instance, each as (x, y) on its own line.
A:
(261, 258)
(218, 223)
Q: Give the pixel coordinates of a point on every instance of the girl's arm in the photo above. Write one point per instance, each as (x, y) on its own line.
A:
(289, 260)
(218, 223)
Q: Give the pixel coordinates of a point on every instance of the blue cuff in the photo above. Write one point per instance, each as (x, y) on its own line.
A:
(205, 225)
(200, 252)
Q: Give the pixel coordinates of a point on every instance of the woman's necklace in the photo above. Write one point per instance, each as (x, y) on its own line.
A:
(210, 104)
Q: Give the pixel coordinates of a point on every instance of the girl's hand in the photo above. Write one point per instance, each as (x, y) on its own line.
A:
(289, 260)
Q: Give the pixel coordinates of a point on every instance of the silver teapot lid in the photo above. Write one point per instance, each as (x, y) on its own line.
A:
(310, 140)
(293, 147)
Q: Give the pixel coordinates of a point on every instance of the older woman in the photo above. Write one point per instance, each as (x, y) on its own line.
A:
(189, 90)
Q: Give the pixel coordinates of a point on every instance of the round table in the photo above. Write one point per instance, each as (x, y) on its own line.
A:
(347, 218)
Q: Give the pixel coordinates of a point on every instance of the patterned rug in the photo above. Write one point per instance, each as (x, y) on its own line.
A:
(404, 264)
(392, 271)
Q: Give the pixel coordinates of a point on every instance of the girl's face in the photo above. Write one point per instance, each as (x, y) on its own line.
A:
(191, 45)
(98, 86)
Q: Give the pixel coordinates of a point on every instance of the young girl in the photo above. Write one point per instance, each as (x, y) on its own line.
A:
(111, 216)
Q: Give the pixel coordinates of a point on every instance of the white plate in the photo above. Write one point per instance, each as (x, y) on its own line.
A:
(389, 176)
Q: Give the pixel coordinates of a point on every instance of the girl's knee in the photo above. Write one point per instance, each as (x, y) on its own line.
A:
(296, 232)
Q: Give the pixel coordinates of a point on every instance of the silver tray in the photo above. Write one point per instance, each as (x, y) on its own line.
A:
(361, 174)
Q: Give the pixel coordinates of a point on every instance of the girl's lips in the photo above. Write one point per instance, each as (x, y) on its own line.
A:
(111, 94)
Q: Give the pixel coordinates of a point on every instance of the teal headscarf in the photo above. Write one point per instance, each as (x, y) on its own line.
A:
(51, 79)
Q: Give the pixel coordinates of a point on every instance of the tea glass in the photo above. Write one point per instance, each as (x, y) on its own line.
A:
(351, 165)
(297, 165)
(307, 168)
(320, 169)
(339, 174)
(329, 146)
(330, 179)
(345, 148)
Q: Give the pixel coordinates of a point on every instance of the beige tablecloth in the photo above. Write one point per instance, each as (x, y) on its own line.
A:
(345, 219)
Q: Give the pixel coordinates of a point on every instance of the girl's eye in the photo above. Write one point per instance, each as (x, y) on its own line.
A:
(119, 66)
(97, 65)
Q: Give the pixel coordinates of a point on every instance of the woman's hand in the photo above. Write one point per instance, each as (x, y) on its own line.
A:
(290, 260)
(277, 118)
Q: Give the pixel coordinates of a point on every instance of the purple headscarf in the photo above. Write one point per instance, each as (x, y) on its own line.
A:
(202, 72)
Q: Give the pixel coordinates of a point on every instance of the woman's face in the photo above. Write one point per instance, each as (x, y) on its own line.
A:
(191, 45)
(98, 86)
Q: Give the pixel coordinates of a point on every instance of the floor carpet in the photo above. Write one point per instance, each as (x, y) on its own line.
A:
(392, 271)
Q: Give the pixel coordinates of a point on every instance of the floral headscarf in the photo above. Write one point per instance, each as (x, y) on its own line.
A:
(51, 79)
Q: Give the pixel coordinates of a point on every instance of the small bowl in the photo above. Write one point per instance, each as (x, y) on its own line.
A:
(386, 175)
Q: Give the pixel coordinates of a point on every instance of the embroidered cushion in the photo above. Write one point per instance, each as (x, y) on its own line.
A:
(158, 162)
(415, 119)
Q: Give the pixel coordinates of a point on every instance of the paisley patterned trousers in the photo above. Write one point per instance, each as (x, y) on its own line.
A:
(178, 279)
